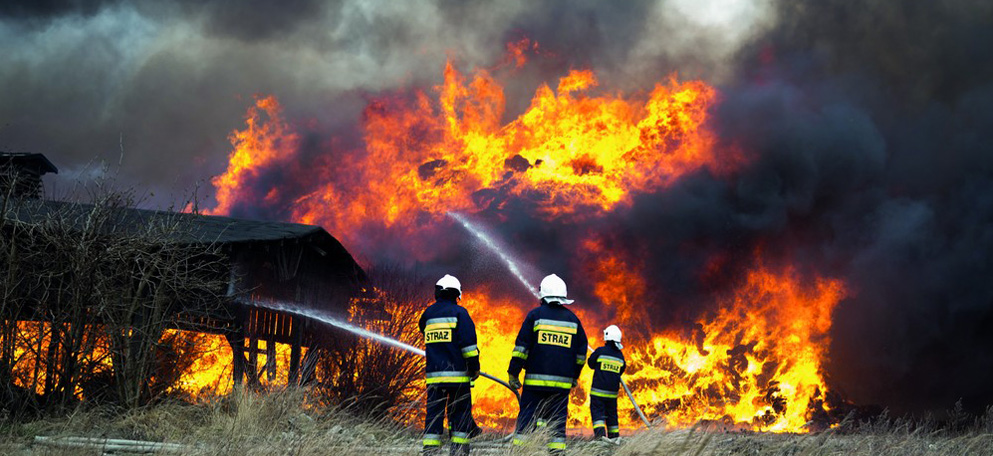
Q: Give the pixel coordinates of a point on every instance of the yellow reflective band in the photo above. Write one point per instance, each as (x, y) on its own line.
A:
(551, 383)
(459, 440)
(520, 355)
(556, 445)
(553, 328)
(613, 429)
(470, 354)
(518, 441)
(433, 380)
(439, 326)
(606, 395)
(432, 442)
(541, 423)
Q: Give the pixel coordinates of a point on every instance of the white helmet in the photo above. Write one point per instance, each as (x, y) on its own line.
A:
(553, 290)
(449, 282)
(613, 334)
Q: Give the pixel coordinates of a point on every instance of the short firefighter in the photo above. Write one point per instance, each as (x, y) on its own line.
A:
(608, 364)
(452, 366)
(551, 348)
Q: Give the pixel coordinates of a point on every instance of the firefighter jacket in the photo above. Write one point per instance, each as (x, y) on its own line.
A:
(450, 344)
(608, 364)
(551, 347)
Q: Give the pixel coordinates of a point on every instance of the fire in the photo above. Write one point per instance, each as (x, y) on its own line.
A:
(571, 153)
(576, 153)
(202, 365)
(265, 140)
(208, 373)
(757, 363)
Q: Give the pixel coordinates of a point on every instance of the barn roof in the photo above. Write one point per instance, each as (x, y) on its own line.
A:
(197, 228)
(35, 162)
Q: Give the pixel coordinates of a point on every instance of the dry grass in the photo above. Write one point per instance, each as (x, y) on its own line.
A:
(246, 424)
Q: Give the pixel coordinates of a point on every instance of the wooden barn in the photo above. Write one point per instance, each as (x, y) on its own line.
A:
(264, 264)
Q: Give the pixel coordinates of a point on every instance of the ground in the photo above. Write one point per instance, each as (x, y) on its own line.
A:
(248, 424)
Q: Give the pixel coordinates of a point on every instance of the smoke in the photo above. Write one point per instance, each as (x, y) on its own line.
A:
(174, 78)
(870, 123)
(866, 125)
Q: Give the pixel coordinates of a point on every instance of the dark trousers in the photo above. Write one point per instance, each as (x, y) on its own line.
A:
(603, 410)
(541, 408)
(456, 403)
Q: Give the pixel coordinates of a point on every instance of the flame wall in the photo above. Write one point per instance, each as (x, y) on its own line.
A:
(569, 164)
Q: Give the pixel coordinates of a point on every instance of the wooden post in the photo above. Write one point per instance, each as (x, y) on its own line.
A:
(253, 348)
(236, 340)
(296, 337)
(270, 346)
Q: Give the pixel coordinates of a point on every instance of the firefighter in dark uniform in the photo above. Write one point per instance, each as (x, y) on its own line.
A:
(452, 366)
(551, 347)
(608, 364)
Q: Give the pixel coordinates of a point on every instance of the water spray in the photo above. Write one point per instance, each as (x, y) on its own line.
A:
(491, 244)
(327, 319)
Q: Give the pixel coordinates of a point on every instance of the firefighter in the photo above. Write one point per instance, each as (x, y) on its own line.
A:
(551, 348)
(608, 364)
(452, 367)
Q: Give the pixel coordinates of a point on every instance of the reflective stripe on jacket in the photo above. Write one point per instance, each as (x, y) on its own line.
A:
(550, 347)
(608, 364)
(450, 344)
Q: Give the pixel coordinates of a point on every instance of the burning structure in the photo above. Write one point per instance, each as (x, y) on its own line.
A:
(205, 279)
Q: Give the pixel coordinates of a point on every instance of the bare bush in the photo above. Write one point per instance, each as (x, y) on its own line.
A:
(367, 375)
(88, 290)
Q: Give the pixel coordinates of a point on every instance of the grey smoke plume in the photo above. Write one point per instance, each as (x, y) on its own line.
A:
(174, 78)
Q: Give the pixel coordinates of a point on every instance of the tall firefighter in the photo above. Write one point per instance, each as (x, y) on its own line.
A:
(608, 364)
(551, 347)
(452, 367)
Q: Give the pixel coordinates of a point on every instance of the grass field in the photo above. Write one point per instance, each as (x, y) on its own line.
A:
(245, 424)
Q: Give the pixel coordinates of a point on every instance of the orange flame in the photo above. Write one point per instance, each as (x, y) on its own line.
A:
(265, 140)
(576, 153)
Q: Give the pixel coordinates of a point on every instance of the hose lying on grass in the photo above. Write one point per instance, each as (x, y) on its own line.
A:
(112, 445)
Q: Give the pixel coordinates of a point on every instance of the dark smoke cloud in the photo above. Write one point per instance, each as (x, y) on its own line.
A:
(45, 9)
(871, 123)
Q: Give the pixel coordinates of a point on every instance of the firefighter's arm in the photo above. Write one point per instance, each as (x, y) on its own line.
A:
(467, 342)
(580, 345)
(623, 366)
(522, 345)
(592, 361)
(421, 322)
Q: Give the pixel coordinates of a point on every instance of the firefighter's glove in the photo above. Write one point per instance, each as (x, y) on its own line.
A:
(514, 382)
(475, 376)
(575, 382)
